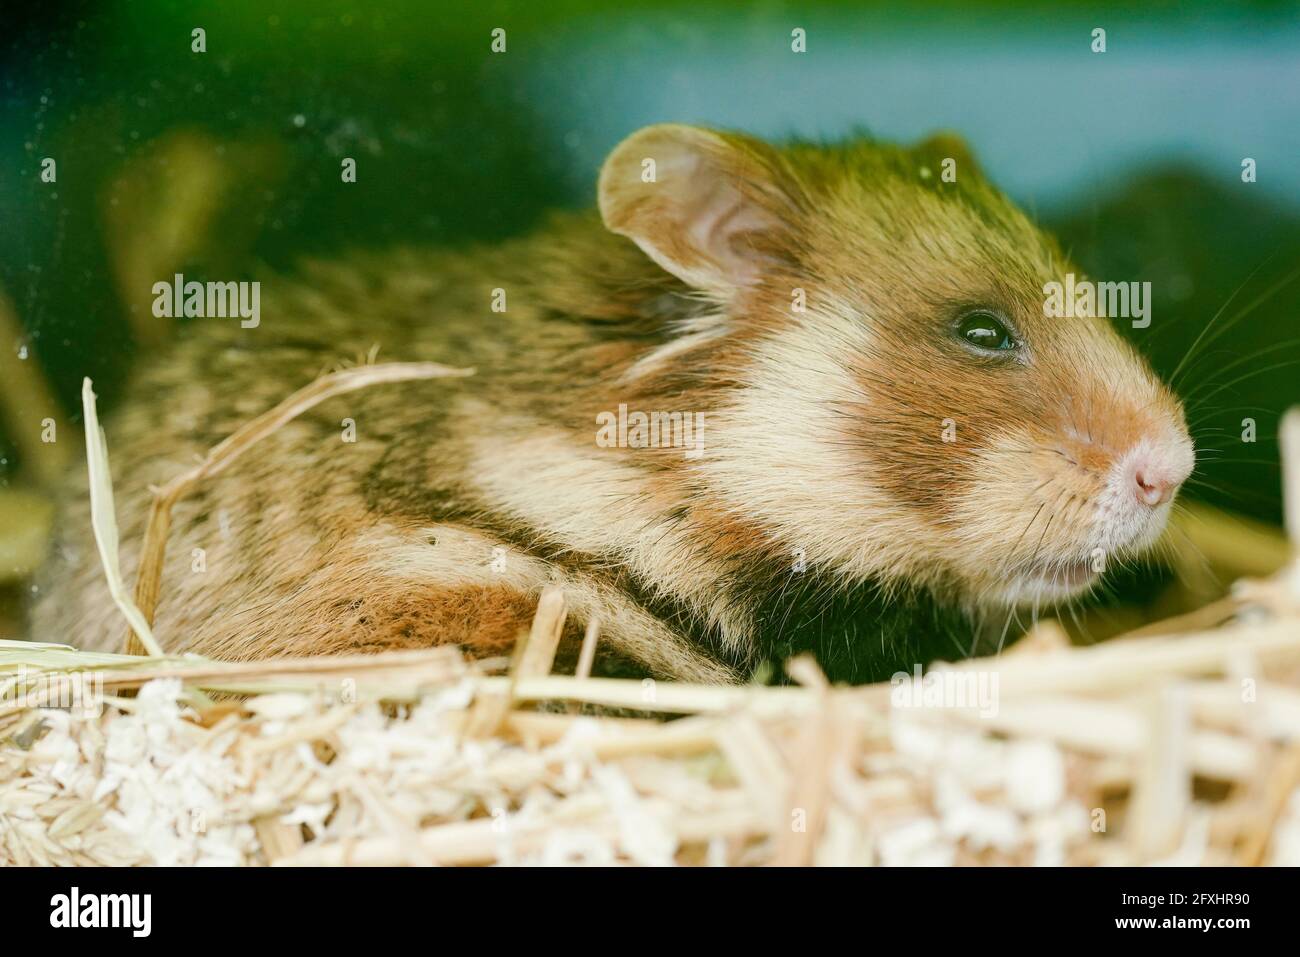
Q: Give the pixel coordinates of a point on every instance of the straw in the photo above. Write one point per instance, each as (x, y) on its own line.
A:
(1095, 756)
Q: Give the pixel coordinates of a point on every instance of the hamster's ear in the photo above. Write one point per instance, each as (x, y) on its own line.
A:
(704, 206)
(946, 144)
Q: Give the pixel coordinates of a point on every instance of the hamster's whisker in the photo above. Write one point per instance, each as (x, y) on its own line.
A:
(1011, 551)
(1233, 491)
(1264, 462)
(1254, 304)
(1242, 378)
(1191, 350)
(1002, 640)
(1240, 360)
(1206, 568)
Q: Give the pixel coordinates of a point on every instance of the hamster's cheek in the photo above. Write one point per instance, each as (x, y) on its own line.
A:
(1024, 523)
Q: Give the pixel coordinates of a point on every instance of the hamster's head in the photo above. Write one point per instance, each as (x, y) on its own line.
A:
(895, 402)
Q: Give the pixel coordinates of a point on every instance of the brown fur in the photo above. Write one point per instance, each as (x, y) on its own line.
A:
(822, 438)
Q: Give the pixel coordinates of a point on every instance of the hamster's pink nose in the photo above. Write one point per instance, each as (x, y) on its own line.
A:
(1155, 481)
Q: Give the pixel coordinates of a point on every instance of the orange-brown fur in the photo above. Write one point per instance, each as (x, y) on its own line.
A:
(823, 435)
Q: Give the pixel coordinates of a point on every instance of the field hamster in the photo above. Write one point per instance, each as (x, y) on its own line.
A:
(891, 445)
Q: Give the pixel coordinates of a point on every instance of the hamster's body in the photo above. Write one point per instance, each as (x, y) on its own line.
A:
(859, 463)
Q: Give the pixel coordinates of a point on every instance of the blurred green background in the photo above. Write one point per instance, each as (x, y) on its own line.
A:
(231, 157)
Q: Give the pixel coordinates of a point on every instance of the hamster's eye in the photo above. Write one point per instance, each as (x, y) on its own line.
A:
(985, 331)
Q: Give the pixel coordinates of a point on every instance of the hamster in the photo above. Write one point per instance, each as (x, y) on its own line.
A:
(767, 398)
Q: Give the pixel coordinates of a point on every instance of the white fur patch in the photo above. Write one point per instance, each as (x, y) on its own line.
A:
(783, 460)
